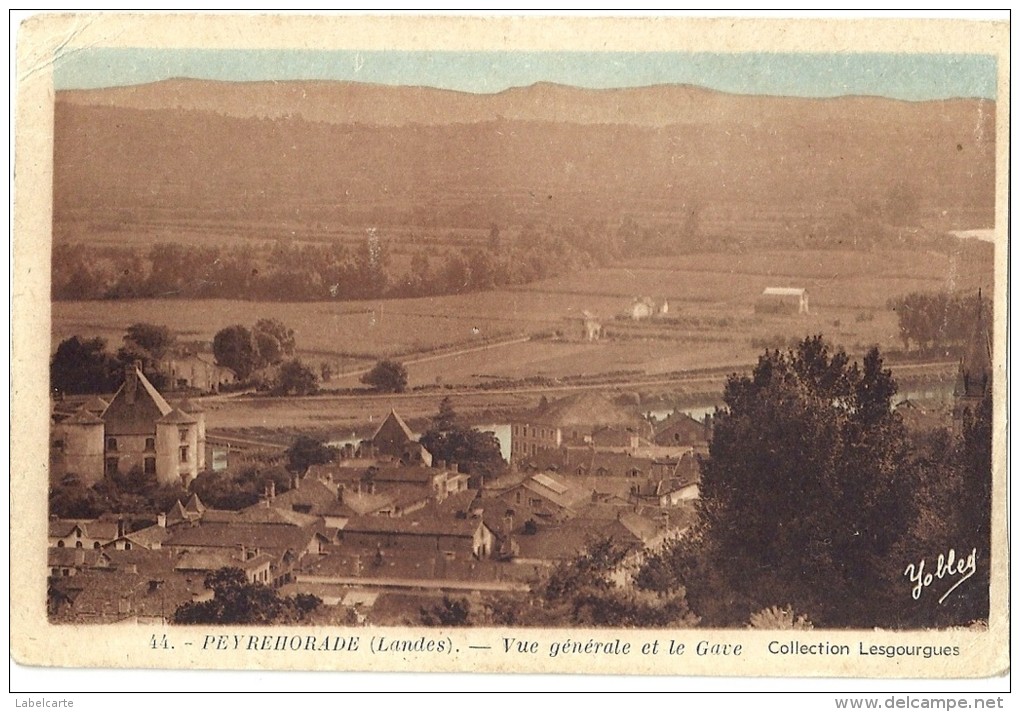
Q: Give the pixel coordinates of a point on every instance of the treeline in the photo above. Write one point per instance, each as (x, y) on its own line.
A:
(288, 270)
(305, 272)
(930, 320)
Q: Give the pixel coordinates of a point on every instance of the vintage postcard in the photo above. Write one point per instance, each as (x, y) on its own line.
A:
(511, 344)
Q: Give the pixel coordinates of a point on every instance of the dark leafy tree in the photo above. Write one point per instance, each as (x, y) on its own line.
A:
(450, 612)
(274, 341)
(936, 319)
(387, 377)
(295, 378)
(236, 601)
(84, 366)
(582, 592)
(475, 452)
(156, 340)
(72, 499)
(804, 495)
(446, 419)
(306, 451)
(222, 491)
(235, 348)
(954, 502)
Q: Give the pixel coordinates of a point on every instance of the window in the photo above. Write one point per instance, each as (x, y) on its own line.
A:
(112, 465)
(60, 544)
(183, 432)
(78, 545)
(184, 454)
(149, 465)
(111, 444)
(95, 545)
(150, 444)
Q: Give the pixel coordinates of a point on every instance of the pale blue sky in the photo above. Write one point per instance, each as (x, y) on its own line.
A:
(901, 76)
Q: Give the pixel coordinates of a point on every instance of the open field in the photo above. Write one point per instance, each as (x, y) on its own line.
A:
(711, 320)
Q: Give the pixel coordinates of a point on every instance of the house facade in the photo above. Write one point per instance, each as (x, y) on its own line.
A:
(138, 430)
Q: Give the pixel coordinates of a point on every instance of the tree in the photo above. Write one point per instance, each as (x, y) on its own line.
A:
(582, 591)
(450, 612)
(72, 499)
(306, 451)
(295, 379)
(804, 495)
(475, 452)
(236, 601)
(954, 503)
(447, 417)
(387, 377)
(155, 340)
(235, 348)
(274, 341)
(84, 366)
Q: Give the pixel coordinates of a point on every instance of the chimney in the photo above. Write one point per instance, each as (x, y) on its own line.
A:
(270, 491)
(452, 466)
(508, 520)
(131, 381)
(161, 521)
(121, 528)
(296, 483)
(440, 464)
(340, 494)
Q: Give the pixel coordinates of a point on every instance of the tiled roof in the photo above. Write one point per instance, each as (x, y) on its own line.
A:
(395, 563)
(83, 417)
(357, 503)
(400, 473)
(176, 514)
(275, 538)
(213, 559)
(194, 505)
(587, 409)
(423, 522)
(565, 541)
(562, 496)
(393, 424)
(190, 406)
(91, 528)
(259, 514)
(319, 496)
(149, 536)
(109, 596)
(145, 561)
(70, 557)
(95, 404)
(135, 410)
(176, 416)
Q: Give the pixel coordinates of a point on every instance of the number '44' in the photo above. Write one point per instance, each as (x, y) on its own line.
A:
(157, 642)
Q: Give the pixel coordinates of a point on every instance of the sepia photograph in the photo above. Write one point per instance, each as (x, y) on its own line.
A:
(386, 347)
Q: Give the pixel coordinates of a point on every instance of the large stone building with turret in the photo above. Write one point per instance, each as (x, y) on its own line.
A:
(137, 431)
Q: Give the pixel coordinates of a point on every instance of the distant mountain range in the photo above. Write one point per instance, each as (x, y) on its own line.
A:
(341, 151)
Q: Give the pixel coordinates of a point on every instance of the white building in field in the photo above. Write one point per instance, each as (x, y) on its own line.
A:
(782, 300)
